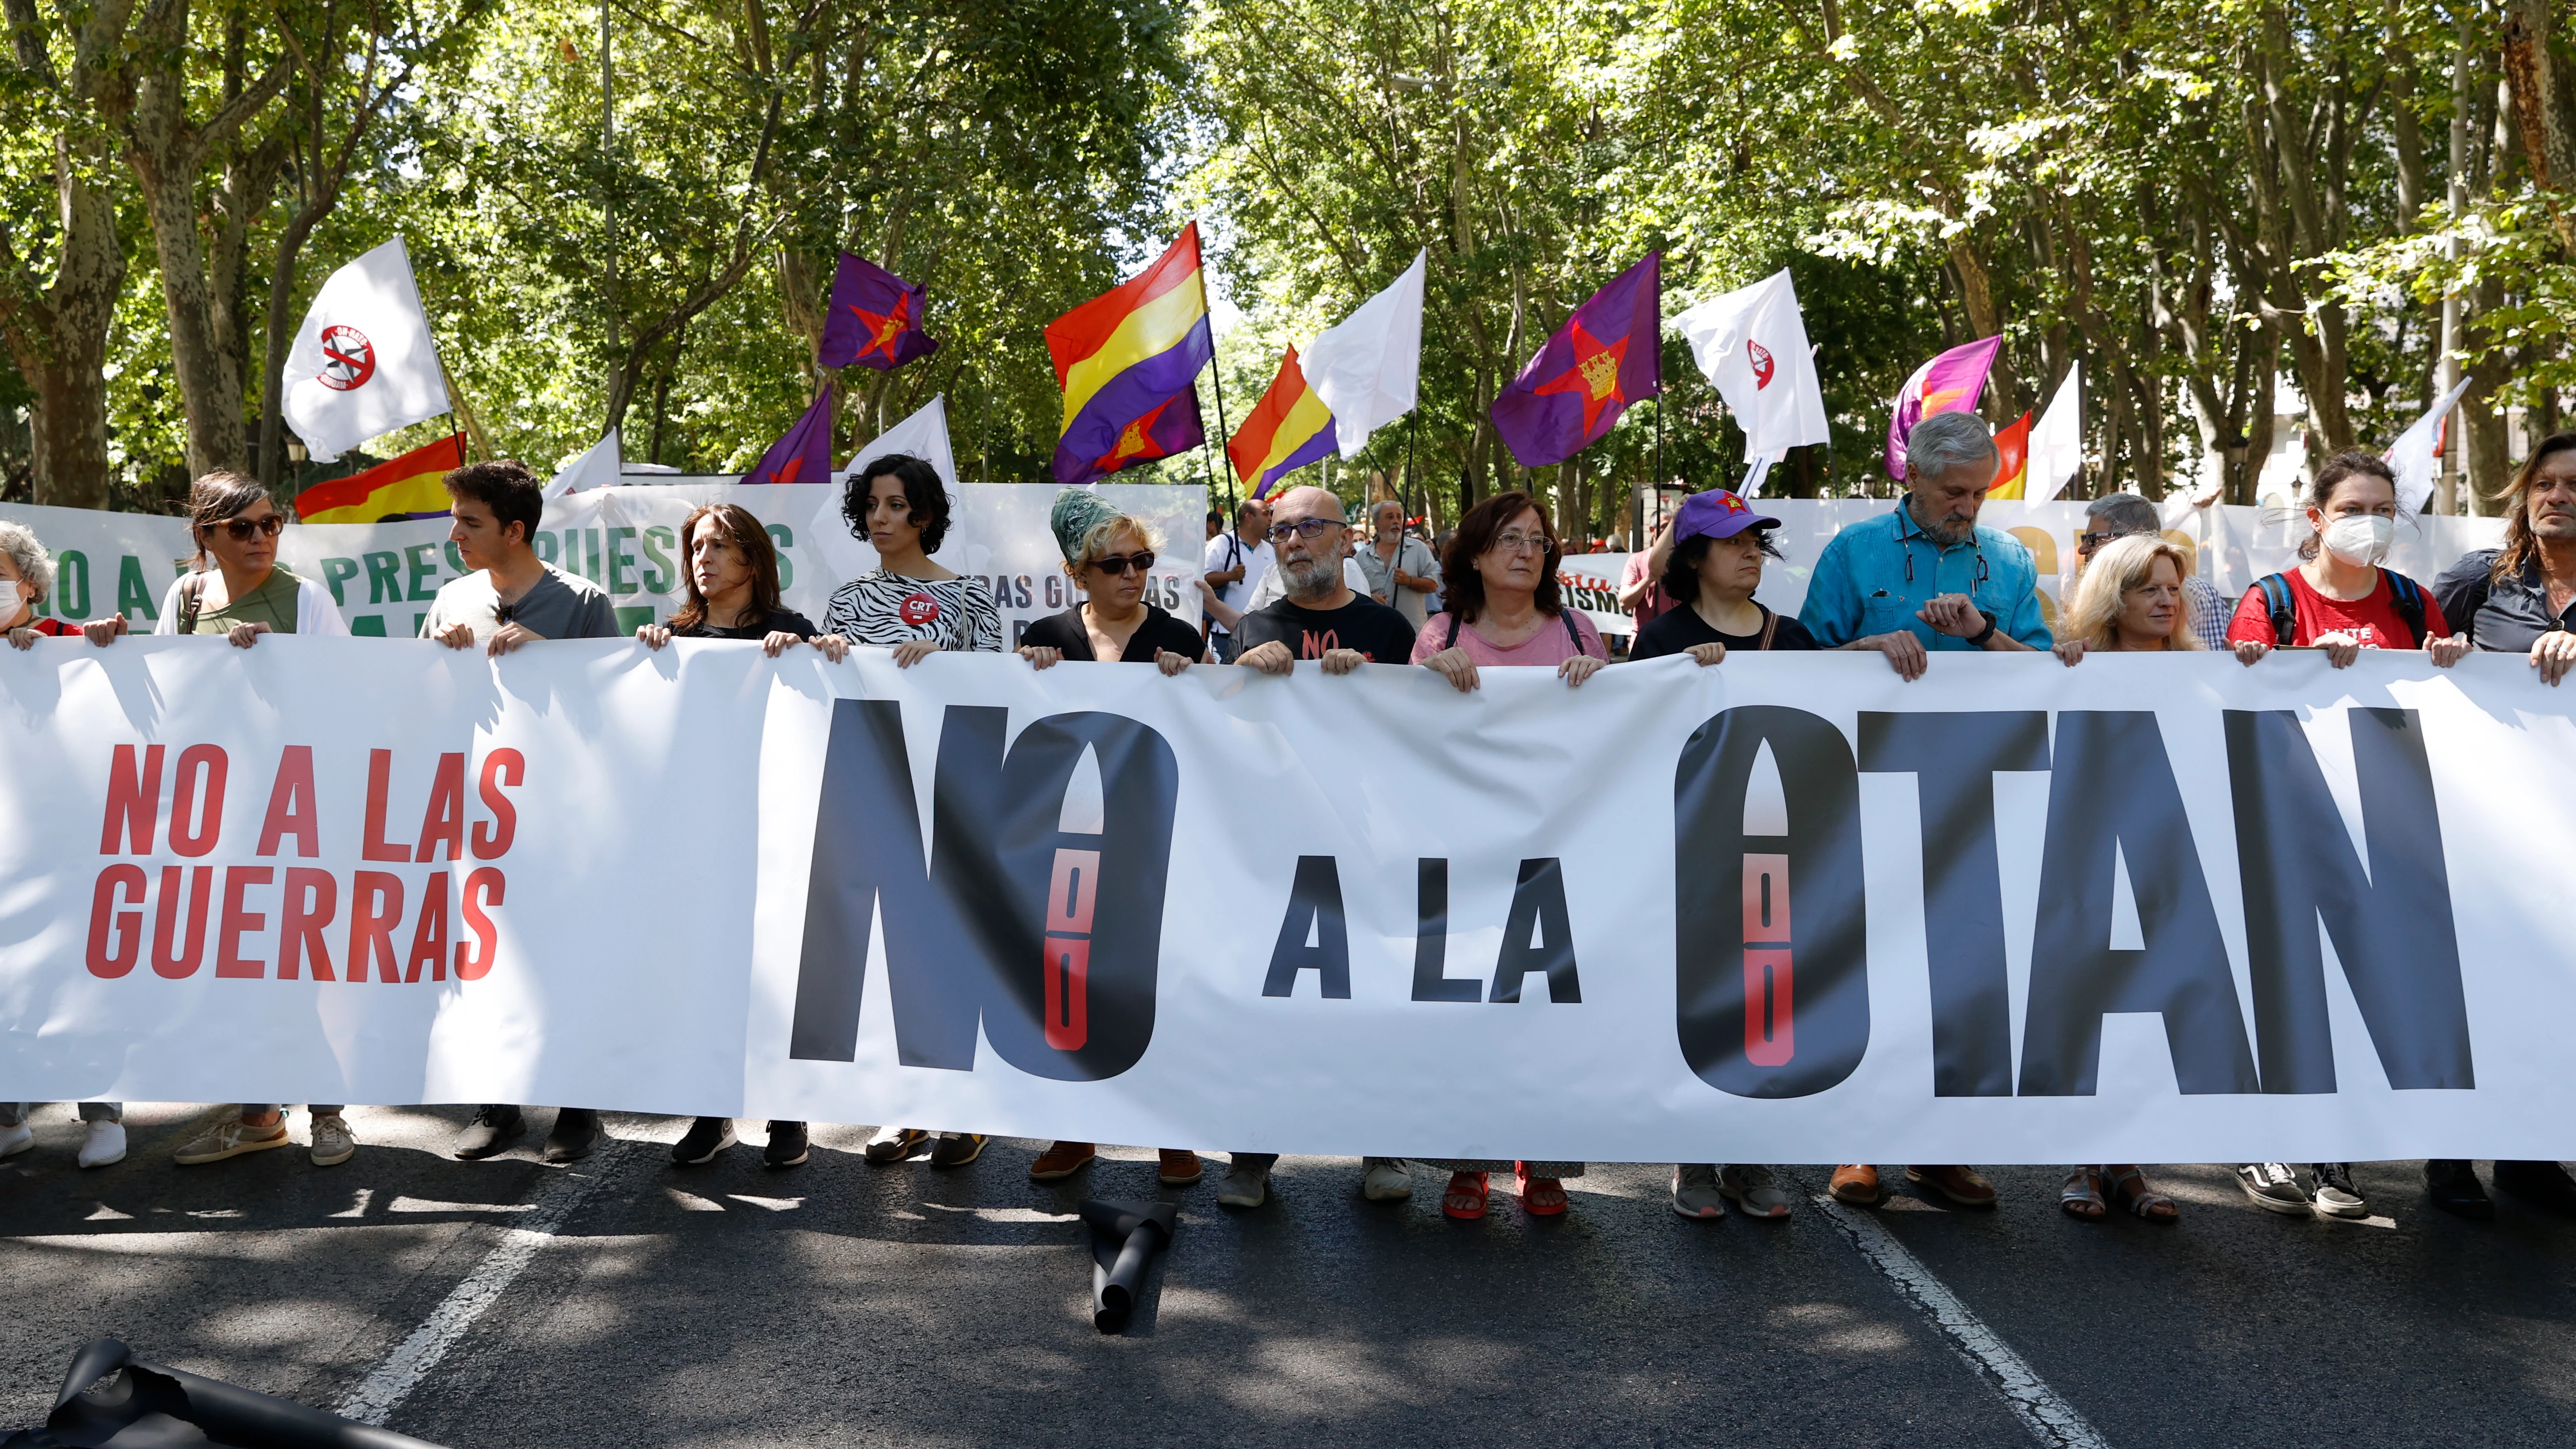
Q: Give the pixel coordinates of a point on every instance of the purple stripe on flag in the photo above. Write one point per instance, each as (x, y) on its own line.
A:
(1134, 392)
(1313, 450)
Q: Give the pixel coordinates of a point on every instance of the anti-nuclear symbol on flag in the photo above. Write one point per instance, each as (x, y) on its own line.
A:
(349, 359)
(1761, 357)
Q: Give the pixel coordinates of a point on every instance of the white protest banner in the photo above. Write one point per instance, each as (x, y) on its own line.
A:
(2227, 913)
(1590, 582)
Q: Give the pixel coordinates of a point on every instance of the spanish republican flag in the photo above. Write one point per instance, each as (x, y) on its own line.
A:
(410, 486)
(1289, 428)
(1128, 361)
(2012, 460)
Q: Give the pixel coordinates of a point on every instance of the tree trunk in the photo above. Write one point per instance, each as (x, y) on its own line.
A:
(2484, 425)
(2543, 86)
(58, 340)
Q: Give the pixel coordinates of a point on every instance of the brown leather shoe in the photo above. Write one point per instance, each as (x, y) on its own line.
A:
(1855, 1183)
(1180, 1168)
(1960, 1185)
(1062, 1159)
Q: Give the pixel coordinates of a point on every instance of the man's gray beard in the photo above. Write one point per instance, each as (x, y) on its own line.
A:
(1318, 584)
(1938, 531)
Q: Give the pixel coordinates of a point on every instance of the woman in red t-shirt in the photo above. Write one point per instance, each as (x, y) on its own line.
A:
(2340, 600)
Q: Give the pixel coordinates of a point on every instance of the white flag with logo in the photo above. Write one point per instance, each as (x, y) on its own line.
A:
(1367, 369)
(1752, 343)
(363, 363)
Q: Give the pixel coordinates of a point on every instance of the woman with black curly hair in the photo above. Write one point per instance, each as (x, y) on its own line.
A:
(909, 603)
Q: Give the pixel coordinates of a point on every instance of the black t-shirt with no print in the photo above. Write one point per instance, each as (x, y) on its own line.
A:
(780, 621)
(1377, 631)
(1159, 632)
(1675, 632)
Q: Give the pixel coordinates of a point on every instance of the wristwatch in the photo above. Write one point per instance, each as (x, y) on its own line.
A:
(1978, 640)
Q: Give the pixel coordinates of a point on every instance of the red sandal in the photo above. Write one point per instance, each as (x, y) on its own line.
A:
(1540, 1196)
(1465, 1199)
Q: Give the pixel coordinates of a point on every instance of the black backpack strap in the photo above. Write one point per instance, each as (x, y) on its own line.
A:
(1570, 631)
(1453, 633)
(2408, 596)
(2285, 615)
(192, 596)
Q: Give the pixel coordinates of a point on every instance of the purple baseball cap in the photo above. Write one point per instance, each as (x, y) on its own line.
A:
(1717, 513)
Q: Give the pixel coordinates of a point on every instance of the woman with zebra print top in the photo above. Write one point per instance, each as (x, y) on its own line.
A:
(910, 603)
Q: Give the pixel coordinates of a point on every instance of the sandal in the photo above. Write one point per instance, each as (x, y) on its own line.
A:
(1540, 1196)
(2082, 1196)
(1465, 1199)
(2143, 1200)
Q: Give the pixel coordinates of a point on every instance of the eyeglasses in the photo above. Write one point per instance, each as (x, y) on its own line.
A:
(1302, 528)
(242, 529)
(1116, 565)
(1513, 541)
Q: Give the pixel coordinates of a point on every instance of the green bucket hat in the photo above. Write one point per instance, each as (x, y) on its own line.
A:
(1077, 511)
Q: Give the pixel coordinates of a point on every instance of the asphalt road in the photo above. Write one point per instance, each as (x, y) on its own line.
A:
(840, 1303)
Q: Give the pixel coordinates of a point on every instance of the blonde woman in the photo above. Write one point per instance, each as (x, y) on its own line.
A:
(2131, 598)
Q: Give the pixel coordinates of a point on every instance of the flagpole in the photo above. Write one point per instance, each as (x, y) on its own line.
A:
(1410, 419)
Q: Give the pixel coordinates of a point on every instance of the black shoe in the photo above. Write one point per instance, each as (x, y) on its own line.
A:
(786, 1145)
(2453, 1186)
(576, 1135)
(2543, 1184)
(495, 1126)
(705, 1138)
(956, 1149)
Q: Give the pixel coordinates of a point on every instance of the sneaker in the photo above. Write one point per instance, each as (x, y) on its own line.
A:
(1961, 1185)
(576, 1135)
(2544, 1184)
(232, 1139)
(333, 1142)
(894, 1144)
(495, 1126)
(1244, 1187)
(1062, 1160)
(14, 1140)
(1695, 1193)
(1178, 1167)
(2337, 1196)
(1754, 1190)
(786, 1145)
(956, 1149)
(2273, 1187)
(705, 1138)
(2452, 1184)
(1385, 1179)
(104, 1144)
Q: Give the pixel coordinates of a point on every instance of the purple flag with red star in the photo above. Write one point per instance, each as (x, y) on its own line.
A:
(874, 319)
(1606, 356)
(805, 454)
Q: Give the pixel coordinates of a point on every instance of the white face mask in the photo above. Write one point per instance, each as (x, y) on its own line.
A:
(2360, 538)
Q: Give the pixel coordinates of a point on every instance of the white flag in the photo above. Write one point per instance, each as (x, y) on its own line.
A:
(1367, 369)
(1755, 472)
(2416, 456)
(1752, 343)
(2056, 441)
(363, 363)
(924, 435)
(601, 465)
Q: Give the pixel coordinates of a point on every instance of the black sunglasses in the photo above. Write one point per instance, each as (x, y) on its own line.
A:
(1116, 565)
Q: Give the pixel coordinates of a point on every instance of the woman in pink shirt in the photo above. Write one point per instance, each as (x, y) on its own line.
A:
(1503, 606)
(1503, 610)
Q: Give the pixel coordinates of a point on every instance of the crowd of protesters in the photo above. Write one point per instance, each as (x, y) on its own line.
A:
(1293, 579)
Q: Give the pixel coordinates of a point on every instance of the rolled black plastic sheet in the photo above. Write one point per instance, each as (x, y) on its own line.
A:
(1124, 1237)
(147, 1406)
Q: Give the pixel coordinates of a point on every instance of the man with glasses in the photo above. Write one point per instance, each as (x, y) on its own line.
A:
(2123, 515)
(1320, 617)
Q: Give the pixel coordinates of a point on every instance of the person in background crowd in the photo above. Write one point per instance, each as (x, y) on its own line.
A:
(1323, 619)
(1926, 577)
(2126, 515)
(919, 608)
(1399, 567)
(1215, 523)
(1110, 558)
(1713, 565)
(2131, 597)
(2342, 602)
(1921, 579)
(2519, 599)
(730, 578)
(1641, 586)
(241, 596)
(1504, 610)
(1232, 566)
(26, 580)
(511, 599)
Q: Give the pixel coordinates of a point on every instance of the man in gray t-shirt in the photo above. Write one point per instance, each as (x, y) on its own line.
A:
(513, 596)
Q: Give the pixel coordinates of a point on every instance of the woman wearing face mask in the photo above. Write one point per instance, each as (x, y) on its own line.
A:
(2340, 600)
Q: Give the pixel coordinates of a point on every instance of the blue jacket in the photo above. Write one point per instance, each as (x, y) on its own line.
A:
(1875, 575)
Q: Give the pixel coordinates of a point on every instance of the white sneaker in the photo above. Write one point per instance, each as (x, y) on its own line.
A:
(104, 1144)
(1244, 1187)
(14, 1140)
(1386, 1180)
(333, 1142)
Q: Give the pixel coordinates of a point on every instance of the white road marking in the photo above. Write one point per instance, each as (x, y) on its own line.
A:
(374, 1399)
(2050, 1419)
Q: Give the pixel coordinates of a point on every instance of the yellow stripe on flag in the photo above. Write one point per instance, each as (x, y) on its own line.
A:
(1154, 328)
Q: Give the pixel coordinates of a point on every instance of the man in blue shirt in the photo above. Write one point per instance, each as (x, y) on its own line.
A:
(1925, 577)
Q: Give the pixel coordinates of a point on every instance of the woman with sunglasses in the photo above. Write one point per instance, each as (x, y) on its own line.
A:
(1110, 557)
(242, 595)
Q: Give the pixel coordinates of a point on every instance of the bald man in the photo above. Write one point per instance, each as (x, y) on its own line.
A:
(1321, 618)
